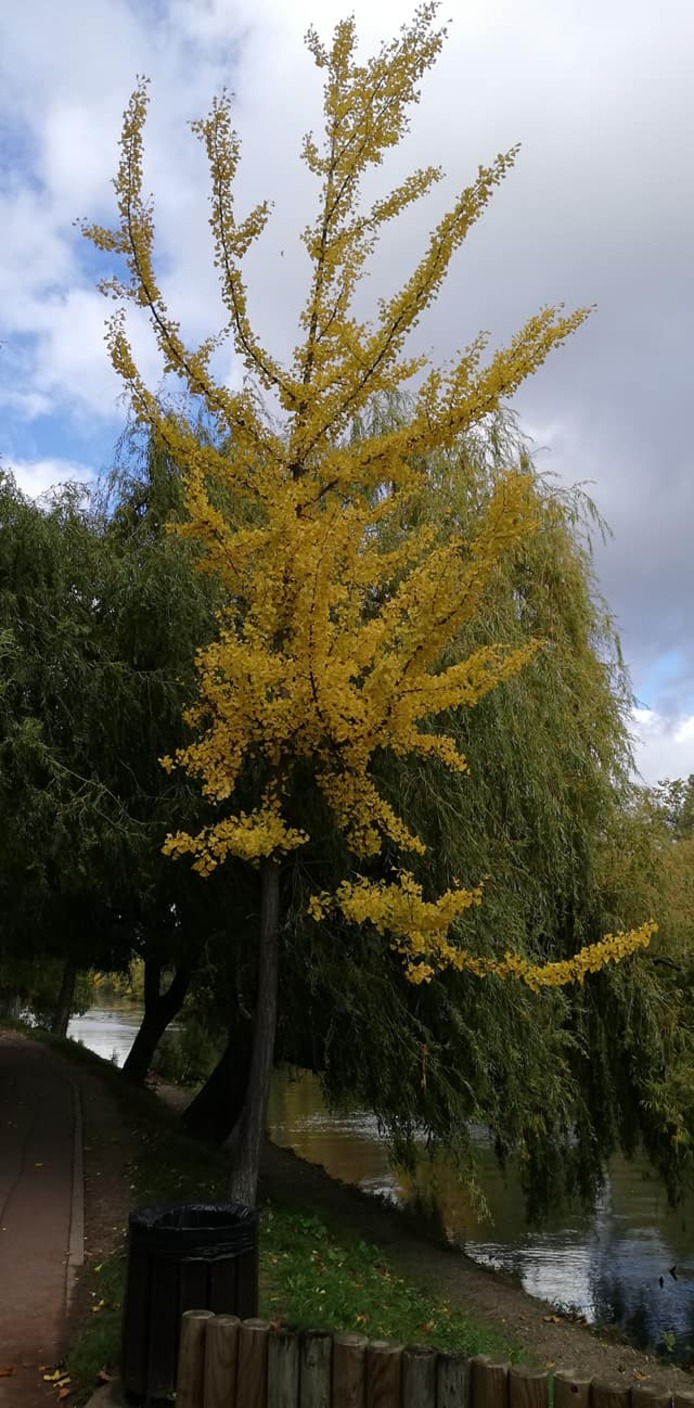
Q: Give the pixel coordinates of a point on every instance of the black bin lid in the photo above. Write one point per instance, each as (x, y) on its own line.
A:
(184, 1227)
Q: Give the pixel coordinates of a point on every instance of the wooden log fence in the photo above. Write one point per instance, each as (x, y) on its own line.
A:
(225, 1362)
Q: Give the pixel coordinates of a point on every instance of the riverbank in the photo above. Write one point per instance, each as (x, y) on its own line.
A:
(321, 1237)
(452, 1278)
(329, 1254)
(610, 1262)
(317, 1268)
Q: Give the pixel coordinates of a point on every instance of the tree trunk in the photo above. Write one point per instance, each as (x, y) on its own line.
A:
(66, 997)
(160, 1009)
(217, 1106)
(246, 1140)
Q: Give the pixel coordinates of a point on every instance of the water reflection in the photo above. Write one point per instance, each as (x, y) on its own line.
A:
(109, 1032)
(629, 1261)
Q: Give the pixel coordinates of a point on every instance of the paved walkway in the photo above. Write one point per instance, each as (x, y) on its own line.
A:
(40, 1219)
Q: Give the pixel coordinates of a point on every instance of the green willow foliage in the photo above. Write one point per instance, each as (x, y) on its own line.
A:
(100, 613)
(564, 1078)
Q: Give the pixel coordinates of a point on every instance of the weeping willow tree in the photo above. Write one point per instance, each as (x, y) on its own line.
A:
(100, 613)
(547, 812)
(61, 831)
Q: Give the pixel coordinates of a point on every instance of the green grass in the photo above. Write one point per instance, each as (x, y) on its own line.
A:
(96, 1345)
(313, 1276)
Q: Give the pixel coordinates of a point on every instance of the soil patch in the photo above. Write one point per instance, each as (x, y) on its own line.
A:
(111, 1145)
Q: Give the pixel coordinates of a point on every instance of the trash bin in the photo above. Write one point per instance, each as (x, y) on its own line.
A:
(192, 1256)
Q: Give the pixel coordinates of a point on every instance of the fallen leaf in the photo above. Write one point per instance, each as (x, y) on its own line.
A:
(5, 1373)
(63, 1393)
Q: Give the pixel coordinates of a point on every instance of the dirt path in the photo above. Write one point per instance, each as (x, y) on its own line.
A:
(40, 1153)
(454, 1277)
(65, 1150)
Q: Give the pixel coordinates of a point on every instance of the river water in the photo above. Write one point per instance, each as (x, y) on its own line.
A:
(629, 1261)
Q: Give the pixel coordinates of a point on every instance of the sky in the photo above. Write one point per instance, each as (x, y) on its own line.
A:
(599, 209)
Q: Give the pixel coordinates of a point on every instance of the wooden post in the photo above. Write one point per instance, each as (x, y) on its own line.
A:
(418, 1378)
(527, 1388)
(283, 1369)
(648, 1396)
(610, 1393)
(251, 1372)
(316, 1369)
(383, 1373)
(221, 1357)
(191, 1359)
(349, 1371)
(571, 1389)
(453, 1378)
(489, 1382)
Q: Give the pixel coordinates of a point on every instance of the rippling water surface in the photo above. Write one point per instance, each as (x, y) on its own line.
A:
(629, 1261)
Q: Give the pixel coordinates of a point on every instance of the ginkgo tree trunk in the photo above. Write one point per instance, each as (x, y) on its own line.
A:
(332, 648)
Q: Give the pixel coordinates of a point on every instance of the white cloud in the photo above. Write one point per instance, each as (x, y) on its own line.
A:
(664, 747)
(501, 74)
(34, 477)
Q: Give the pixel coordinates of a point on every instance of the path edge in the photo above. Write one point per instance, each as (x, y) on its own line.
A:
(75, 1250)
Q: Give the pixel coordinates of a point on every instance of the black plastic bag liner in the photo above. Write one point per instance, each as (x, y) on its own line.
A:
(207, 1230)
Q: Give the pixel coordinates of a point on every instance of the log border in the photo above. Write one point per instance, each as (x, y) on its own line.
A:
(226, 1362)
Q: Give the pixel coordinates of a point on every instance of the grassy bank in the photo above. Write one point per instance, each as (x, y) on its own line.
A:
(311, 1273)
(314, 1271)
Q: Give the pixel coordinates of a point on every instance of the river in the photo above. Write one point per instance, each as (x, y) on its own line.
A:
(629, 1261)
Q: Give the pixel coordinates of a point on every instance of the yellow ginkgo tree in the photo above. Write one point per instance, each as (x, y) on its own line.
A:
(333, 647)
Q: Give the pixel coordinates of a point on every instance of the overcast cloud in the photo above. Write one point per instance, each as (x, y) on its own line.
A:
(599, 209)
